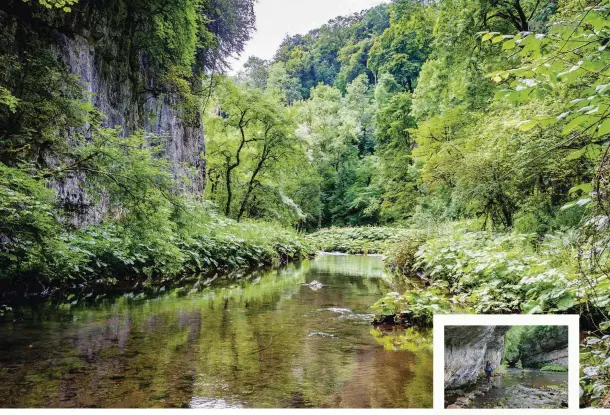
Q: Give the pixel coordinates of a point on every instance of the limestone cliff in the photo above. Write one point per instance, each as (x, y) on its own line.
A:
(468, 348)
(94, 42)
(546, 348)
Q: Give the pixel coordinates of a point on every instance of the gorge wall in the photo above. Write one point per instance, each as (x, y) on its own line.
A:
(548, 347)
(96, 43)
(468, 348)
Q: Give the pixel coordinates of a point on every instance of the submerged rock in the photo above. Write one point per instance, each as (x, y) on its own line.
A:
(315, 285)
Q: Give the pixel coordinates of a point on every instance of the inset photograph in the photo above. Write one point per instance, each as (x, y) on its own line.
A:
(510, 367)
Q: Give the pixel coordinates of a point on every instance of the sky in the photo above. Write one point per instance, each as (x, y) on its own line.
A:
(277, 18)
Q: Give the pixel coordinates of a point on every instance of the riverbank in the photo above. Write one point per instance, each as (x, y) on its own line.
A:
(197, 245)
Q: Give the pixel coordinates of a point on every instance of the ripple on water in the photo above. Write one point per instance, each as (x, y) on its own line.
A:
(321, 334)
(211, 403)
(367, 317)
(337, 310)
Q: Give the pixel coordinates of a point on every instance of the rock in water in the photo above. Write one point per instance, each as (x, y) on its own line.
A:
(315, 285)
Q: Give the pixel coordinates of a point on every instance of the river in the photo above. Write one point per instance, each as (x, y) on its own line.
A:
(530, 388)
(263, 340)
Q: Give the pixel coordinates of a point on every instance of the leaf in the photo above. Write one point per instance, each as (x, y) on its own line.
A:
(605, 325)
(565, 302)
(576, 154)
(527, 125)
(604, 128)
(509, 44)
(577, 122)
(584, 187)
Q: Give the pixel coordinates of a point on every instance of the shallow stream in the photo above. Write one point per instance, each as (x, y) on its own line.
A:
(264, 340)
(525, 389)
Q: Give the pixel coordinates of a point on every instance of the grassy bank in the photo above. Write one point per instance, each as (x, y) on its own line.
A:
(362, 240)
(115, 254)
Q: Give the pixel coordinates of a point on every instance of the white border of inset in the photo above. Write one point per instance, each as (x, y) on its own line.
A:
(442, 320)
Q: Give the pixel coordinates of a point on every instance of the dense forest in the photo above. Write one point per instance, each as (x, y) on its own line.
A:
(470, 138)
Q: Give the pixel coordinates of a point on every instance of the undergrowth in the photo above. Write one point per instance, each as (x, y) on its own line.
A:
(554, 368)
(362, 240)
(196, 241)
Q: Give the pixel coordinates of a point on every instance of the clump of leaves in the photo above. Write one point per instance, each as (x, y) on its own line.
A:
(491, 272)
(554, 368)
(594, 369)
(414, 307)
(362, 240)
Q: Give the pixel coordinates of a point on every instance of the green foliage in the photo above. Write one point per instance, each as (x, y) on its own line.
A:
(594, 369)
(402, 254)
(336, 53)
(28, 225)
(58, 4)
(554, 368)
(253, 150)
(403, 48)
(512, 342)
(160, 251)
(498, 273)
(360, 240)
(415, 306)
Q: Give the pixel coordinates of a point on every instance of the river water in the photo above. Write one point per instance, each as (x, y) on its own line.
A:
(529, 388)
(263, 340)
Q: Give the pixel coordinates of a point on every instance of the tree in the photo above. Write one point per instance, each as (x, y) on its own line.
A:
(403, 48)
(255, 72)
(288, 86)
(250, 134)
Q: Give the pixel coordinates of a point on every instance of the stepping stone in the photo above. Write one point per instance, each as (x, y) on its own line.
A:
(462, 400)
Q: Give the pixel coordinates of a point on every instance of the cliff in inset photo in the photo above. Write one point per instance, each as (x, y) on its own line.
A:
(468, 348)
(506, 367)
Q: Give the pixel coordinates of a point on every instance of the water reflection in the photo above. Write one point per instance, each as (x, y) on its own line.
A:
(265, 340)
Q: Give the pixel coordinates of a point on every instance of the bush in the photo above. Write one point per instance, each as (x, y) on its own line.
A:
(554, 368)
(414, 307)
(158, 251)
(489, 272)
(364, 240)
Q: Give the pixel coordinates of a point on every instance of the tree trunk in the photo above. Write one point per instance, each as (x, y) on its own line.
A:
(259, 166)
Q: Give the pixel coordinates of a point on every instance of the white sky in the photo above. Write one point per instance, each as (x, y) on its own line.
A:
(277, 18)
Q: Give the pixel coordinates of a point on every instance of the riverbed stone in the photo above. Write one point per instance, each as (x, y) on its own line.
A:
(462, 400)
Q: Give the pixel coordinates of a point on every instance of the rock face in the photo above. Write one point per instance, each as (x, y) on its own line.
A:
(548, 349)
(468, 348)
(91, 41)
(131, 110)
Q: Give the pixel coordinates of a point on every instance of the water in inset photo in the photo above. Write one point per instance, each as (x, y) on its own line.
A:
(506, 367)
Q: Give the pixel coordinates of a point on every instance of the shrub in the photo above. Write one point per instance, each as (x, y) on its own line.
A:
(414, 307)
(489, 272)
(554, 368)
(364, 240)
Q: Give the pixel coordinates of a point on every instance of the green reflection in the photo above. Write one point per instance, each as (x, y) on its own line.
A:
(265, 340)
